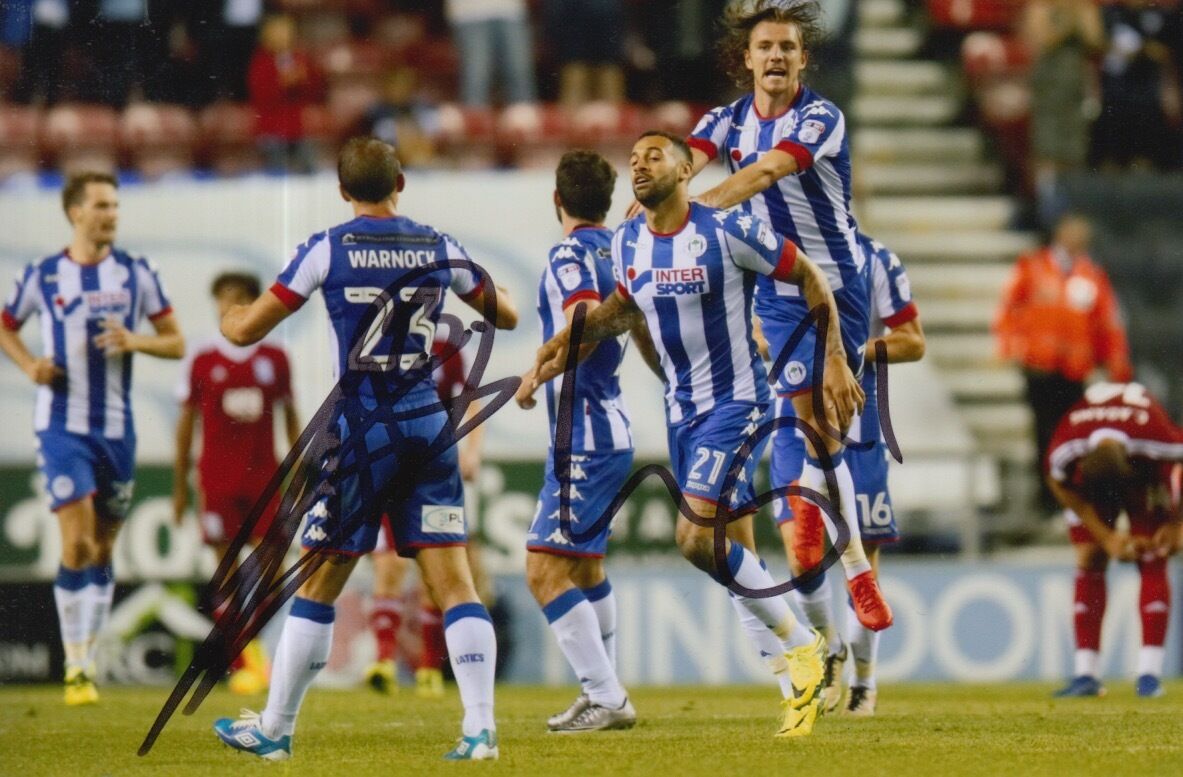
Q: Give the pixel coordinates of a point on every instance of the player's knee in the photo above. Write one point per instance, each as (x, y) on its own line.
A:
(77, 553)
(544, 578)
(697, 547)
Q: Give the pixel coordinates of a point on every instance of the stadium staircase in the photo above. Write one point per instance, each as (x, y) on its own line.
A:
(929, 189)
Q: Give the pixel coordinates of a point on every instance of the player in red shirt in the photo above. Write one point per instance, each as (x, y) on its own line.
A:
(1117, 450)
(390, 569)
(234, 392)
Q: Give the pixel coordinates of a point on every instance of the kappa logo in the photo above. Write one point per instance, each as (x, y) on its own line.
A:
(816, 108)
(315, 534)
(557, 515)
(319, 510)
(557, 538)
(575, 495)
(744, 222)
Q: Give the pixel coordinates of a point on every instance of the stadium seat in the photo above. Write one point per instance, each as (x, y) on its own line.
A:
(228, 138)
(467, 134)
(673, 116)
(603, 123)
(77, 136)
(19, 152)
(975, 14)
(348, 102)
(351, 60)
(532, 135)
(158, 139)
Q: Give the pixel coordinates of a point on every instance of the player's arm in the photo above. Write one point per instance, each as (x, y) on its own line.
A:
(644, 341)
(841, 389)
(759, 339)
(291, 422)
(1115, 543)
(248, 324)
(181, 461)
(505, 313)
(614, 316)
(904, 343)
(167, 343)
(525, 393)
(744, 184)
(41, 371)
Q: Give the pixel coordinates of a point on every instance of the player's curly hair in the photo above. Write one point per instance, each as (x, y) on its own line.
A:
(741, 16)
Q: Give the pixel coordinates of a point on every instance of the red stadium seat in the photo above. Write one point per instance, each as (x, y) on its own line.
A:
(79, 136)
(158, 139)
(603, 123)
(19, 152)
(975, 14)
(467, 135)
(673, 116)
(351, 60)
(228, 138)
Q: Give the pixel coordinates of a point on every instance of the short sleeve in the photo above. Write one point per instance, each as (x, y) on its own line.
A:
(754, 245)
(570, 266)
(892, 292)
(156, 302)
(818, 132)
(467, 280)
(305, 272)
(22, 300)
(711, 132)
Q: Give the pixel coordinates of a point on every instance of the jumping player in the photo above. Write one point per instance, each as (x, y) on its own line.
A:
(787, 151)
(896, 323)
(1117, 450)
(234, 392)
(384, 278)
(568, 578)
(691, 271)
(90, 297)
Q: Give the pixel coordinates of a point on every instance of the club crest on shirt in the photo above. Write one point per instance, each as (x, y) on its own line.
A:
(697, 246)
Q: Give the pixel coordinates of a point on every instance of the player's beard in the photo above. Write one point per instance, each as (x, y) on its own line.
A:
(660, 190)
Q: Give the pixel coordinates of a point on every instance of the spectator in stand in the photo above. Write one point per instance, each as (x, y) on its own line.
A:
(1062, 36)
(1059, 320)
(41, 65)
(226, 32)
(403, 119)
(494, 40)
(128, 48)
(1136, 106)
(587, 37)
(283, 81)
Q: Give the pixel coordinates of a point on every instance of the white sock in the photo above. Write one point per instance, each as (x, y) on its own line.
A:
(854, 558)
(577, 630)
(603, 601)
(69, 594)
(1087, 663)
(302, 652)
(864, 649)
(101, 592)
(772, 611)
(816, 606)
(1150, 659)
(472, 649)
(767, 644)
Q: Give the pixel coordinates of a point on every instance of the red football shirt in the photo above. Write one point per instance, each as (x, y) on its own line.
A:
(235, 390)
(1122, 411)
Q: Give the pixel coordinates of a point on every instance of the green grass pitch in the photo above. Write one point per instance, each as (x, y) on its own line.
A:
(921, 730)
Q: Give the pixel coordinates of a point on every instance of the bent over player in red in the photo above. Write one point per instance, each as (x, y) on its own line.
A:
(1117, 450)
(234, 392)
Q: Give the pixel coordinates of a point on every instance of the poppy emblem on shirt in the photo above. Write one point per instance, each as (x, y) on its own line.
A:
(736, 155)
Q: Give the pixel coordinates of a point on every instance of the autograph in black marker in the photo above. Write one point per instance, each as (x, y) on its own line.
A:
(323, 458)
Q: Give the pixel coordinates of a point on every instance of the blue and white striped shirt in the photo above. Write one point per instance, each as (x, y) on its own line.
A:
(72, 301)
(580, 268)
(810, 208)
(695, 288)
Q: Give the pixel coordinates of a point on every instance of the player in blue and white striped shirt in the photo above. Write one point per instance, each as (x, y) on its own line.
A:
(691, 271)
(567, 577)
(896, 322)
(90, 298)
(788, 153)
